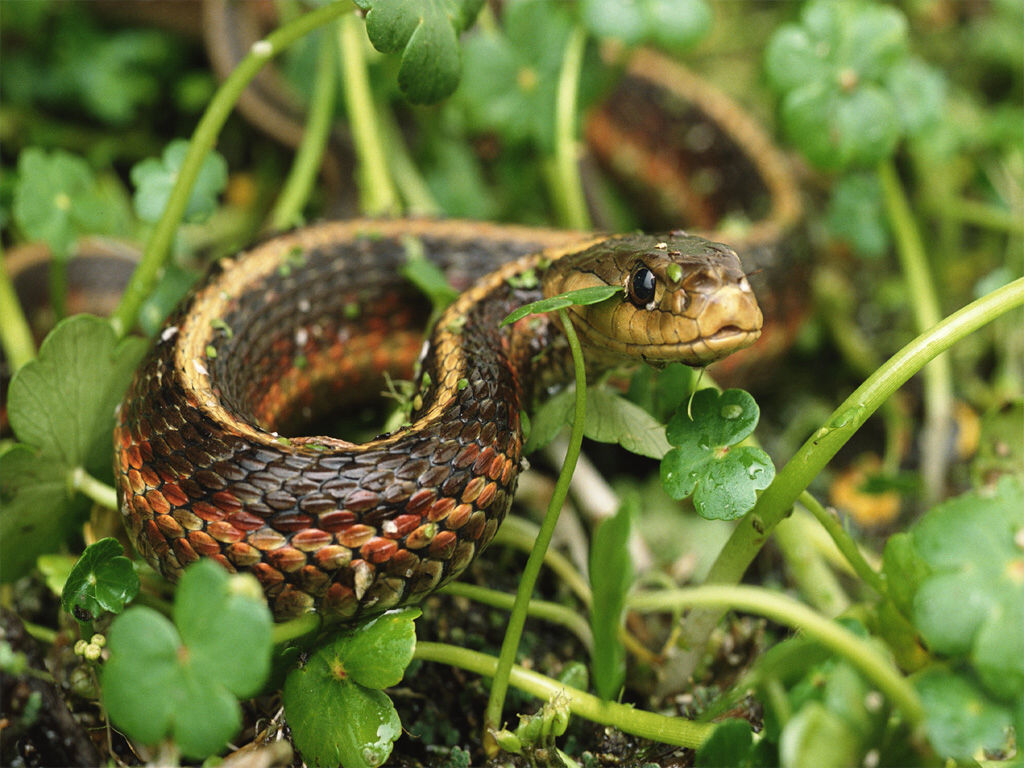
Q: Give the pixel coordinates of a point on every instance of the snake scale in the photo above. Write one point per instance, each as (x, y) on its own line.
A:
(210, 459)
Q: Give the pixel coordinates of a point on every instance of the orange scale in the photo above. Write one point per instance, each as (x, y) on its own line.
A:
(207, 512)
(420, 501)
(340, 601)
(156, 539)
(173, 493)
(440, 509)
(475, 526)
(400, 526)
(158, 503)
(354, 536)
(224, 531)
(271, 578)
(443, 545)
(226, 563)
(150, 476)
(287, 559)
(378, 550)
(486, 495)
(483, 461)
(146, 451)
(245, 521)
(227, 502)
(333, 557)
(473, 488)
(266, 539)
(466, 456)
(169, 527)
(459, 516)
(203, 543)
(184, 552)
(310, 539)
(497, 466)
(243, 555)
(136, 481)
(133, 457)
(421, 537)
(141, 507)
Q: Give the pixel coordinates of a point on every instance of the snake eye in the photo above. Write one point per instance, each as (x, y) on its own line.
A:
(640, 287)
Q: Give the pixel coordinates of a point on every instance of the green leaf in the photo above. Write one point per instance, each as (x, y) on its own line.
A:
(722, 479)
(63, 402)
(165, 681)
(904, 570)
(548, 420)
(815, 736)
(1001, 445)
(427, 276)
(731, 743)
(102, 580)
(61, 407)
(611, 576)
(512, 73)
(611, 418)
(37, 514)
(155, 178)
(920, 90)
(580, 297)
(675, 24)
(856, 215)
(961, 718)
(336, 719)
(426, 32)
(57, 199)
(377, 653)
(972, 603)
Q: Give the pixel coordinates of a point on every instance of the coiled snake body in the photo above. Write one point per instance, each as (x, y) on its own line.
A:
(311, 321)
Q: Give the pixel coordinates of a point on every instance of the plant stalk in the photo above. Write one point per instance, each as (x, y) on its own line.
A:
(528, 579)
(15, 334)
(668, 730)
(158, 247)
(297, 187)
(377, 194)
(569, 198)
(101, 493)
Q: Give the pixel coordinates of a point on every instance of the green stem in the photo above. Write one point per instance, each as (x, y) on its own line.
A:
(667, 730)
(290, 630)
(377, 192)
(158, 247)
(521, 534)
(981, 214)
(411, 185)
(528, 579)
(101, 493)
(297, 187)
(568, 188)
(58, 275)
(15, 334)
(538, 609)
(938, 376)
(811, 574)
(845, 543)
(792, 613)
(793, 479)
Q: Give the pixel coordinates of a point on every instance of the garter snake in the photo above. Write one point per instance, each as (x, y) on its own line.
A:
(207, 460)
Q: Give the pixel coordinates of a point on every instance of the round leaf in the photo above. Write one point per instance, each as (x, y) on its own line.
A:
(102, 580)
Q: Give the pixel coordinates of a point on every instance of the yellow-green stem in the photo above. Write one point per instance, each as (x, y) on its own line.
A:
(15, 334)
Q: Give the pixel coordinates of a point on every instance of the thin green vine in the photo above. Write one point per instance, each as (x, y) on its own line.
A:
(528, 579)
(792, 613)
(378, 196)
(845, 543)
(667, 730)
(15, 334)
(569, 198)
(521, 534)
(556, 613)
(794, 478)
(99, 492)
(938, 375)
(297, 187)
(158, 247)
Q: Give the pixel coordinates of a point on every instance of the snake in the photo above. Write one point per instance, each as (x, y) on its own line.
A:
(217, 451)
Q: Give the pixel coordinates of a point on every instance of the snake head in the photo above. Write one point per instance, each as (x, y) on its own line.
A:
(685, 299)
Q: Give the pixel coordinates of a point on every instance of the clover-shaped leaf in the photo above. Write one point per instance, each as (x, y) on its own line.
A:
(182, 681)
(155, 178)
(334, 704)
(972, 604)
(426, 32)
(849, 89)
(61, 408)
(705, 461)
(512, 73)
(672, 23)
(962, 719)
(102, 580)
(57, 199)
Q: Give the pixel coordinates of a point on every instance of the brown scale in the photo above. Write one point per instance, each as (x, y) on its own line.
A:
(311, 321)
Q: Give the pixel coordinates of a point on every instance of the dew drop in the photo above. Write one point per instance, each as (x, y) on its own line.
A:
(732, 412)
